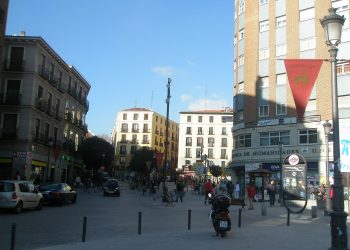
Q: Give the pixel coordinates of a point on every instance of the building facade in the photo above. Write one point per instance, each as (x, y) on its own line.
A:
(3, 18)
(265, 119)
(205, 137)
(43, 105)
(140, 127)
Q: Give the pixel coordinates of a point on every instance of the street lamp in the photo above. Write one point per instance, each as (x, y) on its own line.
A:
(327, 130)
(280, 146)
(332, 25)
(167, 100)
(49, 144)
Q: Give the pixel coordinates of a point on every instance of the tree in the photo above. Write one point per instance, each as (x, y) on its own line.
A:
(96, 152)
(215, 170)
(139, 161)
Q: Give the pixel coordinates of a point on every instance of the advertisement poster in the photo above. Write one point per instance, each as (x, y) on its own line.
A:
(344, 138)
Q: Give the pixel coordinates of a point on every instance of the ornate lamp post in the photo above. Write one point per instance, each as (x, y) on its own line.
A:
(332, 25)
(327, 130)
(280, 146)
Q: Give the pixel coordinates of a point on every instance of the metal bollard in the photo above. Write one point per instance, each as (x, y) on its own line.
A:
(239, 217)
(83, 238)
(288, 216)
(139, 224)
(189, 220)
(313, 211)
(263, 209)
(13, 236)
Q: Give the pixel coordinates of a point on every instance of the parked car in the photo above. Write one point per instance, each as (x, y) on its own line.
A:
(111, 187)
(18, 195)
(58, 193)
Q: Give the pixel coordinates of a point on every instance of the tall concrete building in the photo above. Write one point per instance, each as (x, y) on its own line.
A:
(43, 105)
(3, 18)
(205, 136)
(140, 127)
(265, 118)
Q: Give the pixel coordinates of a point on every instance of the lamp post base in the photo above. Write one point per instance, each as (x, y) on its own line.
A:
(339, 230)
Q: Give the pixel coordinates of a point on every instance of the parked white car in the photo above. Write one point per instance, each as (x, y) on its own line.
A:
(18, 195)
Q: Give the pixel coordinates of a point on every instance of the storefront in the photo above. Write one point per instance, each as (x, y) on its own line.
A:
(5, 168)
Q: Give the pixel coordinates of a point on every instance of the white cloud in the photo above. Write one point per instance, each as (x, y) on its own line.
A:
(163, 70)
(202, 104)
(185, 98)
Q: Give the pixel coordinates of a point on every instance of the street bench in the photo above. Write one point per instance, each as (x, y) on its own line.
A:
(239, 202)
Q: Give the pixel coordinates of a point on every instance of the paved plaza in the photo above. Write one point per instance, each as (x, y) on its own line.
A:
(166, 227)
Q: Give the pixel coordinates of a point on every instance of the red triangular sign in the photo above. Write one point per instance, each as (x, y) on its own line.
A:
(302, 74)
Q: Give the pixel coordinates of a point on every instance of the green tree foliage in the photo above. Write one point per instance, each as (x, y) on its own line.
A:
(96, 152)
(215, 170)
(138, 162)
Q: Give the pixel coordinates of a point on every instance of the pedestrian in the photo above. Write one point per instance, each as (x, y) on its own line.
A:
(208, 188)
(237, 190)
(251, 191)
(17, 176)
(271, 191)
(180, 191)
(230, 188)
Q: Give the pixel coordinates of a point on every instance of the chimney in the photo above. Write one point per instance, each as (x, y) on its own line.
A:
(22, 33)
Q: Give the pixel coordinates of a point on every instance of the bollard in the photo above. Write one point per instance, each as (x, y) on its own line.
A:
(84, 229)
(288, 216)
(189, 220)
(239, 217)
(313, 211)
(13, 236)
(139, 224)
(263, 209)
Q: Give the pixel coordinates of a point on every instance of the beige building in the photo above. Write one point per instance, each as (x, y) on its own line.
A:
(205, 136)
(140, 127)
(43, 104)
(266, 32)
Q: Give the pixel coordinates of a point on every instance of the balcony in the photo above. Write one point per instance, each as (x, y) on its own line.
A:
(14, 65)
(44, 72)
(224, 145)
(188, 144)
(124, 130)
(11, 98)
(210, 144)
(135, 130)
(145, 131)
(41, 104)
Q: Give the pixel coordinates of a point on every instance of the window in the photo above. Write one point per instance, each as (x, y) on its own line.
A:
(134, 138)
(133, 149)
(281, 79)
(198, 153)
(145, 117)
(188, 118)
(125, 116)
(188, 141)
(263, 110)
(211, 119)
(281, 49)
(264, 26)
(307, 136)
(135, 127)
(188, 153)
(124, 127)
(223, 131)
(211, 142)
(123, 138)
(241, 34)
(200, 131)
(16, 59)
(240, 60)
(211, 131)
(145, 128)
(281, 21)
(40, 92)
(307, 14)
(264, 82)
(273, 138)
(243, 141)
(262, 2)
(13, 92)
(123, 149)
(223, 142)
(200, 118)
(188, 130)
(264, 53)
(199, 141)
(223, 154)
(9, 129)
(210, 153)
(240, 87)
(145, 139)
(136, 117)
(307, 43)
(281, 109)
(241, 8)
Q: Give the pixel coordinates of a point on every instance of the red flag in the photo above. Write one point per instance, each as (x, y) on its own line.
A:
(302, 74)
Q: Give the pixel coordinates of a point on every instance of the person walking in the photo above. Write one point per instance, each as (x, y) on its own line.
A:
(271, 191)
(237, 190)
(208, 188)
(230, 188)
(180, 190)
(251, 191)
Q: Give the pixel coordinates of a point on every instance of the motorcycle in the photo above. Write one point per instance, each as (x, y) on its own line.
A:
(220, 215)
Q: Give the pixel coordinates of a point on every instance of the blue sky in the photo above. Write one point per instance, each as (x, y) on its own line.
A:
(127, 49)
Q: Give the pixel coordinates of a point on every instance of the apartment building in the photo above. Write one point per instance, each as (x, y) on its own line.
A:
(43, 105)
(140, 127)
(205, 136)
(3, 18)
(266, 33)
